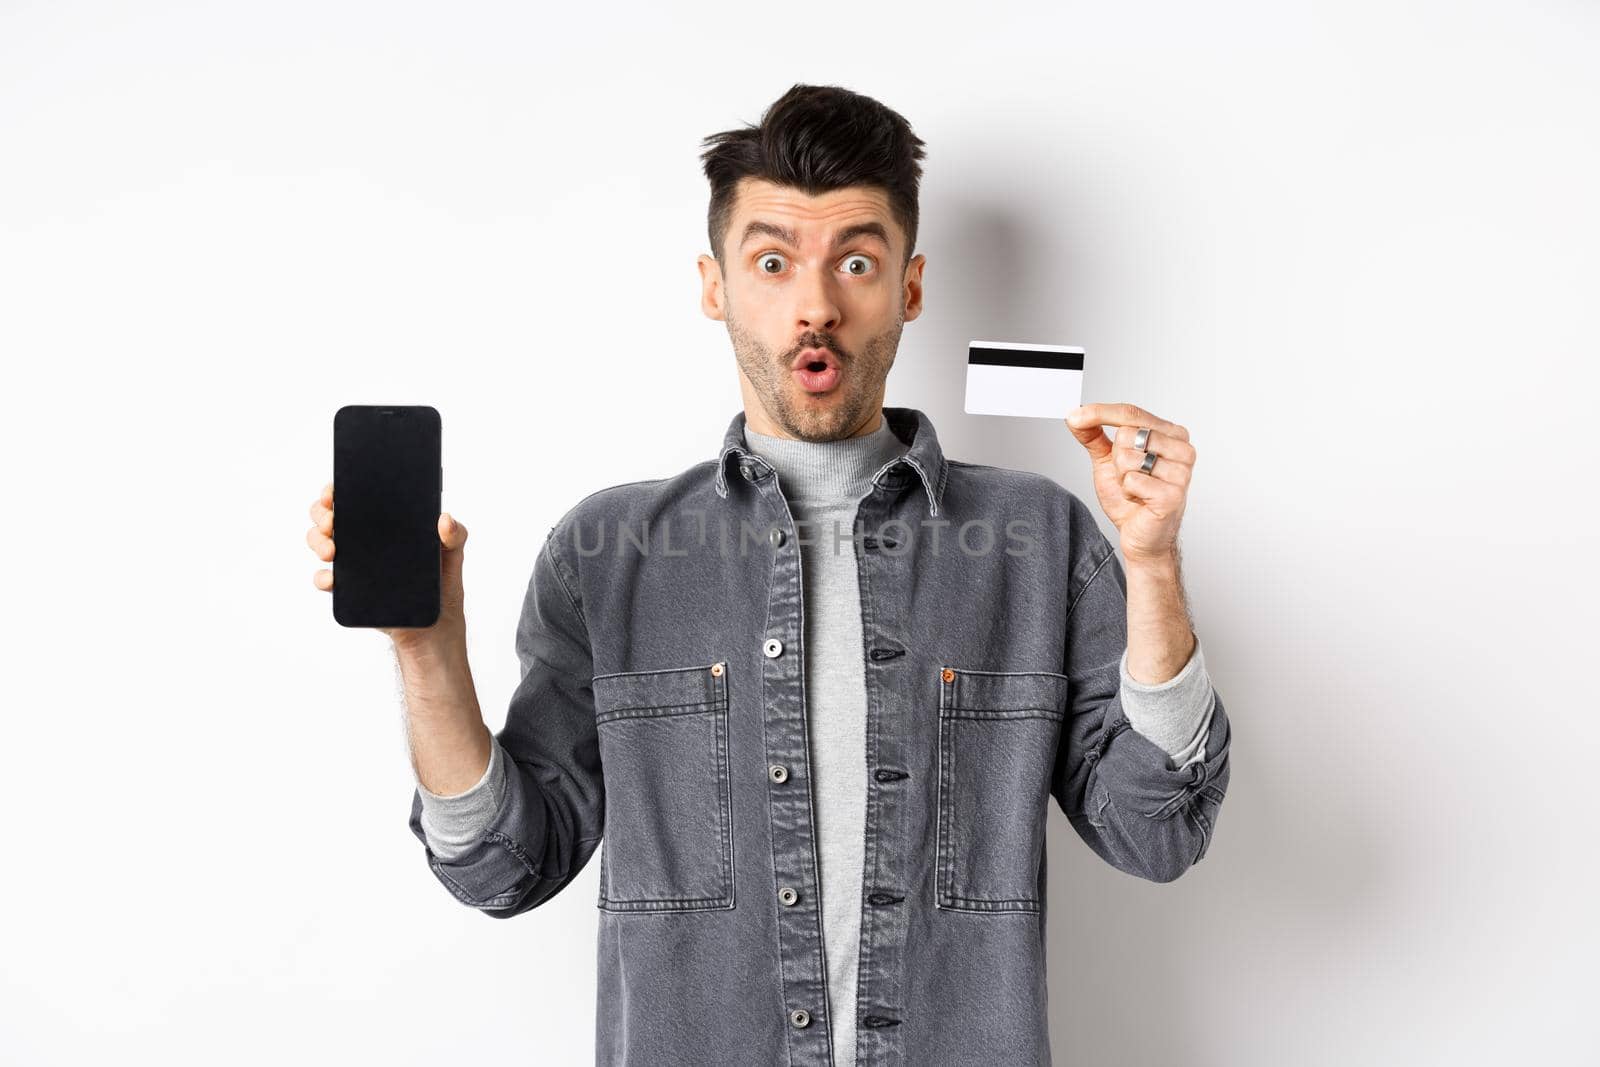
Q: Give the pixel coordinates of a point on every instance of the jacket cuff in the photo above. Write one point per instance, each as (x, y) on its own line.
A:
(453, 824)
(1176, 713)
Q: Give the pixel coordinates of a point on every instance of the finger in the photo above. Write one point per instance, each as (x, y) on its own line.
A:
(1123, 415)
(323, 505)
(1163, 498)
(323, 579)
(1168, 470)
(1162, 444)
(320, 543)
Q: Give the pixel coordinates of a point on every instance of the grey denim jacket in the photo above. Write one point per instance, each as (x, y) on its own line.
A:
(662, 706)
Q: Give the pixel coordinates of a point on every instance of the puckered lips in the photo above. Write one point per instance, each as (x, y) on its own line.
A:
(817, 370)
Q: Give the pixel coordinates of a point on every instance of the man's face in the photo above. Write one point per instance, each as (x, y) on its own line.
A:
(812, 272)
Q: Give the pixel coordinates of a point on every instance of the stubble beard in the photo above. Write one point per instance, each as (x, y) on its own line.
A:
(791, 407)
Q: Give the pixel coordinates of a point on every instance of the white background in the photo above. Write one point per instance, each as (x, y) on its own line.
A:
(1352, 247)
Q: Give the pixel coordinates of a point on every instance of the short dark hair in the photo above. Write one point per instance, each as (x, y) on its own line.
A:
(817, 138)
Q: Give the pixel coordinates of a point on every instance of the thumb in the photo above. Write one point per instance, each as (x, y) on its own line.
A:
(452, 534)
(1092, 438)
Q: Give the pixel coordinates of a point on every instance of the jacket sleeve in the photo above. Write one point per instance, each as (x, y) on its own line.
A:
(1119, 789)
(551, 811)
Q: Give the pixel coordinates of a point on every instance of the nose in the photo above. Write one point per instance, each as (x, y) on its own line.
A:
(818, 309)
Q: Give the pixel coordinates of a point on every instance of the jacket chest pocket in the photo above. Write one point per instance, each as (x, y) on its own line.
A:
(997, 745)
(668, 843)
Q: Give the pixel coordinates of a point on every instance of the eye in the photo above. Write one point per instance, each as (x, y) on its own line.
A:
(768, 257)
(858, 258)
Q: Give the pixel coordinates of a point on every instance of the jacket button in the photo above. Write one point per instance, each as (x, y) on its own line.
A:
(948, 675)
(773, 647)
(745, 469)
(778, 772)
(799, 1018)
(777, 537)
(716, 670)
(788, 896)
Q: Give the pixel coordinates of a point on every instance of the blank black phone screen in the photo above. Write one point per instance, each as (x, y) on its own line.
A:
(387, 483)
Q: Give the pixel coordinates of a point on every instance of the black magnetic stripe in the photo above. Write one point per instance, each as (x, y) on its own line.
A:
(1022, 357)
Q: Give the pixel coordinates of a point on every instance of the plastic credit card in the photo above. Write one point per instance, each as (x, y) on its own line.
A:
(1042, 381)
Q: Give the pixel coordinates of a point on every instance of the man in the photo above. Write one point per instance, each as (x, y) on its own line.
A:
(817, 691)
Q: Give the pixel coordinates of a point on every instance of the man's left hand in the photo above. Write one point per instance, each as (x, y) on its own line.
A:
(1145, 508)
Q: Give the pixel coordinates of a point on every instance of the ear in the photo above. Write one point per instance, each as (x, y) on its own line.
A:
(913, 286)
(710, 287)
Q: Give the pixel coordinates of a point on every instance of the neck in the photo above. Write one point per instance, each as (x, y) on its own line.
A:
(827, 471)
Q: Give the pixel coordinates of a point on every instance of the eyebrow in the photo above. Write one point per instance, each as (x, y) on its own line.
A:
(789, 237)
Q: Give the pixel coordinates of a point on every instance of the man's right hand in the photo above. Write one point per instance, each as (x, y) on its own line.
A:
(450, 745)
(451, 625)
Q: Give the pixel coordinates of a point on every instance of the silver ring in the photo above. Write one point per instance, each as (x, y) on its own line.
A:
(1141, 438)
(1149, 462)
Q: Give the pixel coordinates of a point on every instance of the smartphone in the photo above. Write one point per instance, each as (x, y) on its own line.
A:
(387, 485)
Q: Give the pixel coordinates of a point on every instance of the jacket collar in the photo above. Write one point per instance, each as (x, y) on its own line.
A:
(924, 456)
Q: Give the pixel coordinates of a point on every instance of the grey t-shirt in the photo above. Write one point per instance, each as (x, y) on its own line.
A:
(823, 481)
